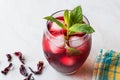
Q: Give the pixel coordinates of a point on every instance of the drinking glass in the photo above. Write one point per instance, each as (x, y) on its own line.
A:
(55, 50)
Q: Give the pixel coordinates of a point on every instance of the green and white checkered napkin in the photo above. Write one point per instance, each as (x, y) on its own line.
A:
(107, 65)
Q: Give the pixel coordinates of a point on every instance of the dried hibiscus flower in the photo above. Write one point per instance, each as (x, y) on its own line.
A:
(9, 57)
(23, 70)
(7, 69)
(30, 77)
(39, 68)
(20, 56)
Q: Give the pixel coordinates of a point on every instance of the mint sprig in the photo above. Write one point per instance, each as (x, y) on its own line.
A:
(73, 24)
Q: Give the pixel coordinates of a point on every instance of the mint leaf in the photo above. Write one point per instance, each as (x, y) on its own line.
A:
(66, 17)
(52, 19)
(76, 15)
(81, 28)
(72, 51)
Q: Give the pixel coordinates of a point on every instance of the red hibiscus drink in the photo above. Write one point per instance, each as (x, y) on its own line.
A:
(55, 49)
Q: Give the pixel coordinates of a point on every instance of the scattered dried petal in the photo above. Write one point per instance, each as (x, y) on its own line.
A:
(21, 58)
(7, 69)
(30, 77)
(23, 70)
(39, 68)
(9, 57)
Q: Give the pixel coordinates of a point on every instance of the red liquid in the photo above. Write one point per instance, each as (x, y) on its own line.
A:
(55, 51)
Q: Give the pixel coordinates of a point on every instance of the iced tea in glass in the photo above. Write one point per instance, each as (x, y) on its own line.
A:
(55, 50)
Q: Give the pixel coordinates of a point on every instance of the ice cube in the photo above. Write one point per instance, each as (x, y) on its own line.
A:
(59, 40)
(55, 27)
(57, 44)
(68, 61)
(75, 41)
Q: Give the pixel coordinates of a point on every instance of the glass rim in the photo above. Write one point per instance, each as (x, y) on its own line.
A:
(62, 39)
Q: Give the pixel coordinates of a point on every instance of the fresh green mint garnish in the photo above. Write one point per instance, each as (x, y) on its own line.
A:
(73, 24)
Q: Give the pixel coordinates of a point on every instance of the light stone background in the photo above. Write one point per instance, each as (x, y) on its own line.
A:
(22, 26)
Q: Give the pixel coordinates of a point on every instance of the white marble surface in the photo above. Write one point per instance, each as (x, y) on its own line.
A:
(22, 25)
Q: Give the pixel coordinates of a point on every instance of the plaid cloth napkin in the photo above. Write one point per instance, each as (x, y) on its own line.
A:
(107, 65)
